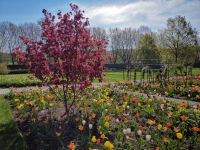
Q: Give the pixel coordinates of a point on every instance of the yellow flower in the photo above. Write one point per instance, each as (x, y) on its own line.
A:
(164, 101)
(106, 124)
(179, 135)
(51, 104)
(36, 108)
(139, 104)
(25, 101)
(125, 103)
(186, 102)
(81, 98)
(155, 95)
(111, 146)
(148, 105)
(107, 144)
(19, 107)
(16, 100)
(81, 108)
(123, 106)
(31, 102)
(150, 100)
(33, 119)
(159, 126)
(117, 108)
(94, 139)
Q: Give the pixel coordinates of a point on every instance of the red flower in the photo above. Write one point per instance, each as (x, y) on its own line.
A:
(196, 129)
(63, 118)
(136, 101)
(98, 141)
(137, 115)
(90, 118)
(140, 127)
(183, 117)
(197, 105)
(168, 124)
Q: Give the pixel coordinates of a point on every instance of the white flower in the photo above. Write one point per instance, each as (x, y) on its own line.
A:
(90, 126)
(83, 122)
(139, 132)
(124, 131)
(128, 130)
(148, 137)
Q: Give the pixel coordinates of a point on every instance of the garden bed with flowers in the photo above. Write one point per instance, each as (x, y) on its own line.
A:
(103, 118)
(171, 88)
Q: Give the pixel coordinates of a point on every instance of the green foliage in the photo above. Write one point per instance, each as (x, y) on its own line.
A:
(147, 48)
(18, 71)
(179, 40)
(3, 69)
(177, 67)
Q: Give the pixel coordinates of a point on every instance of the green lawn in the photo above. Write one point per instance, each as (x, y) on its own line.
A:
(22, 80)
(10, 138)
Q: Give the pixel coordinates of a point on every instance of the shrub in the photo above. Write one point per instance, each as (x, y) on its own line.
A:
(3, 69)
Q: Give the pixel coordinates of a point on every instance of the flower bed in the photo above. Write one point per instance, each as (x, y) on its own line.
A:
(102, 118)
(168, 89)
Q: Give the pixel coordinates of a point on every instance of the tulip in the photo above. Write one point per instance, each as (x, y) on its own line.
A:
(90, 126)
(83, 122)
(127, 137)
(195, 110)
(117, 120)
(128, 107)
(139, 132)
(124, 131)
(148, 138)
(128, 130)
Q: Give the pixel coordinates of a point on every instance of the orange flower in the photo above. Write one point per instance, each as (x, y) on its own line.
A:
(46, 121)
(179, 106)
(164, 128)
(151, 122)
(165, 140)
(107, 118)
(125, 120)
(124, 114)
(80, 127)
(157, 148)
(77, 119)
(176, 130)
(98, 141)
(90, 149)
(94, 115)
(168, 124)
(71, 146)
(183, 117)
(103, 136)
(58, 134)
(137, 115)
(63, 118)
(170, 113)
(196, 129)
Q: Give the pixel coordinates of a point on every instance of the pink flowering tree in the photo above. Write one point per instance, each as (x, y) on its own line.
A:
(70, 49)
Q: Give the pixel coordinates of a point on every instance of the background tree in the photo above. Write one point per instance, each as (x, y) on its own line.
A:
(147, 48)
(179, 39)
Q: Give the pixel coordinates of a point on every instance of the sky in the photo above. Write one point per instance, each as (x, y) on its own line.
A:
(106, 13)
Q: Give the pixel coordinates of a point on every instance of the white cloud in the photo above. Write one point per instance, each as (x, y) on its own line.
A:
(152, 13)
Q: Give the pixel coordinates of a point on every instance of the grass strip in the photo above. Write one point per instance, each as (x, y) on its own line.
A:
(9, 135)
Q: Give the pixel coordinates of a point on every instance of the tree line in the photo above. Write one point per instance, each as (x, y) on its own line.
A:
(178, 42)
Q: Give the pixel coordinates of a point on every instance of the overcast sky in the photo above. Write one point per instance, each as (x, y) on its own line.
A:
(106, 13)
